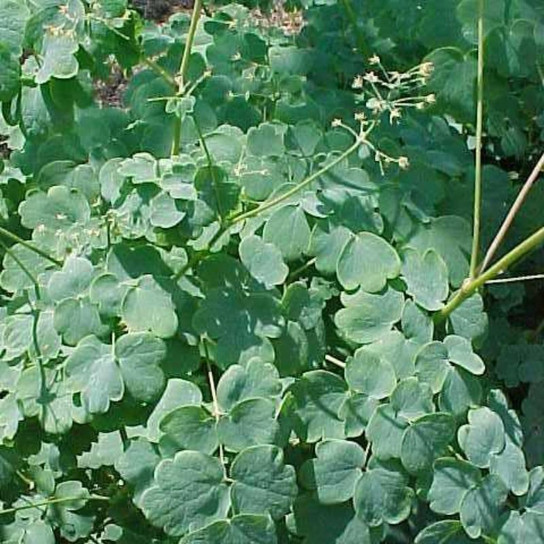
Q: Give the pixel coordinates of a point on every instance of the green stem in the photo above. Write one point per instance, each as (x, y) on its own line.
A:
(305, 182)
(267, 205)
(479, 133)
(211, 167)
(15, 238)
(51, 501)
(158, 69)
(351, 15)
(197, 9)
(472, 285)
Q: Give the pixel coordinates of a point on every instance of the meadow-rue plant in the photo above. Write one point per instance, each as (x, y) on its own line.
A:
(270, 281)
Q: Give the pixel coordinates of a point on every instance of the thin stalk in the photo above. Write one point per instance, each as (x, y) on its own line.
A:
(197, 9)
(305, 182)
(213, 390)
(471, 286)
(515, 279)
(351, 15)
(335, 361)
(211, 167)
(49, 502)
(506, 224)
(479, 133)
(157, 68)
(15, 238)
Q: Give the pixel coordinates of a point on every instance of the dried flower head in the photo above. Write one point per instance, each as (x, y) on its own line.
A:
(426, 69)
(371, 77)
(358, 82)
(403, 162)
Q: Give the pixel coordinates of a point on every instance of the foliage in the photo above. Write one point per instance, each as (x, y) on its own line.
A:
(222, 304)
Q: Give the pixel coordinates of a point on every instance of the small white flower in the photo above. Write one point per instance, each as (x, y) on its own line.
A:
(394, 115)
(360, 116)
(336, 122)
(358, 82)
(403, 162)
(374, 59)
(426, 69)
(430, 99)
(371, 77)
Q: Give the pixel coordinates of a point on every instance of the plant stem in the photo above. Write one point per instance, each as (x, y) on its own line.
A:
(157, 68)
(531, 277)
(479, 132)
(15, 238)
(506, 224)
(335, 361)
(211, 168)
(305, 182)
(213, 390)
(197, 9)
(51, 501)
(351, 15)
(472, 285)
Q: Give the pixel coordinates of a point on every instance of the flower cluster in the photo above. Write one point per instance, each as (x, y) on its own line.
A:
(392, 92)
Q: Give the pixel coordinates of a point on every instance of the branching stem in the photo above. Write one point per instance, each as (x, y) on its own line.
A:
(472, 285)
(506, 224)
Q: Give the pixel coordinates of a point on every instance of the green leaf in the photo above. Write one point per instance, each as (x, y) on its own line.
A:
(412, 399)
(449, 236)
(139, 356)
(13, 18)
(288, 230)
(426, 278)
(460, 353)
(370, 374)
(367, 261)
(241, 529)
(58, 209)
(266, 140)
(452, 478)
(416, 323)
(383, 496)
(432, 365)
(187, 493)
(323, 524)
(318, 397)
(482, 437)
(264, 261)
(367, 317)
(443, 532)
(148, 307)
(73, 280)
(92, 371)
(262, 482)
(335, 471)
(510, 465)
(482, 505)
(425, 440)
(385, 430)
(248, 423)
(238, 383)
(136, 465)
(189, 428)
(178, 393)
(74, 319)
